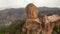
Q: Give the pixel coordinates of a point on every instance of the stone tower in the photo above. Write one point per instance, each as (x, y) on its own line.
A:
(32, 24)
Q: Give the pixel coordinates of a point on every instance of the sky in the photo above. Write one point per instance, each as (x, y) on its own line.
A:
(22, 3)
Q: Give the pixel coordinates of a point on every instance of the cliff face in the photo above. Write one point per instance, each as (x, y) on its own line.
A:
(34, 25)
(49, 22)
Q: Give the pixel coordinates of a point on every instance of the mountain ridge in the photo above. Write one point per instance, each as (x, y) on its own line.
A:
(7, 16)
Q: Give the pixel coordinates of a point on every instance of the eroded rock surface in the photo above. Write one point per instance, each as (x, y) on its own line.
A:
(33, 23)
(49, 22)
(32, 11)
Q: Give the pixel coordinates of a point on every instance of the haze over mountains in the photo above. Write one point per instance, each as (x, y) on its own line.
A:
(8, 16)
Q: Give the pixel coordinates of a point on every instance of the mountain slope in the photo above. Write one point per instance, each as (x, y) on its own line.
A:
(8, 16)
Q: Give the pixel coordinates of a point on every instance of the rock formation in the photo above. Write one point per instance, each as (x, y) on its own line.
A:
(47, 28)
(32, 11)
(49, 23)
(32, 24)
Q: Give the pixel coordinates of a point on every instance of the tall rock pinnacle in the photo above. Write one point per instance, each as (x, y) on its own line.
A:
(32, 24)
(32, 11)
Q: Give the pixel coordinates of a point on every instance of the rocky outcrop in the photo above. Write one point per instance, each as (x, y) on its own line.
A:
(32, 11)
(33, 23)
(47, 25)
(49, 22)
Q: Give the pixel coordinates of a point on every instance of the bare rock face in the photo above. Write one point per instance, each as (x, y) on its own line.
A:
(32, 11)
(49, 23)
(47, 26)
(33, 23)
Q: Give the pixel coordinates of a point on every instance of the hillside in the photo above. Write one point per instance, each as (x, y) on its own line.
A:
(8, 16)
